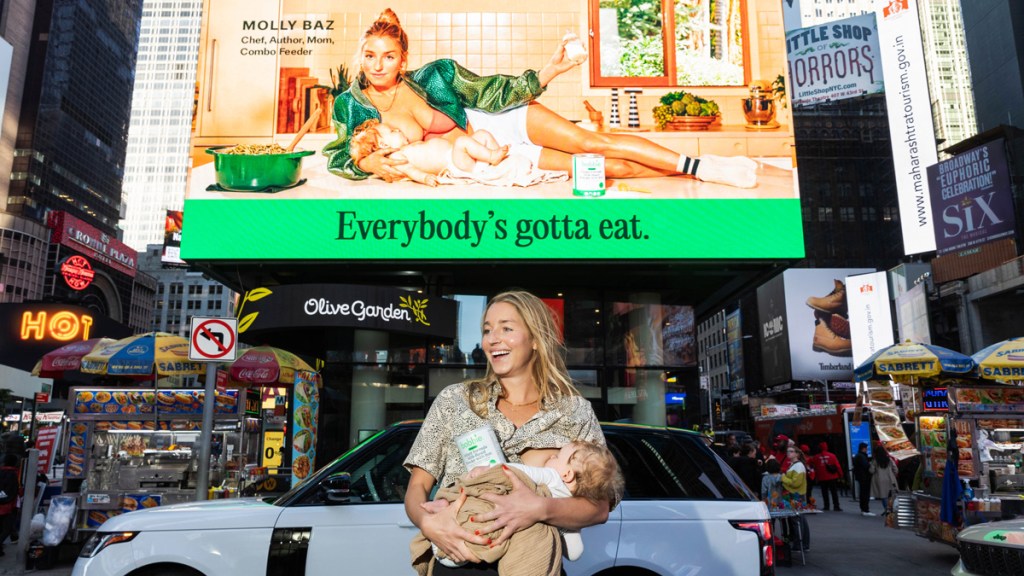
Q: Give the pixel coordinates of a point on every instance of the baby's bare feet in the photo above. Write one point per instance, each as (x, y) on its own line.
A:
(498, 155)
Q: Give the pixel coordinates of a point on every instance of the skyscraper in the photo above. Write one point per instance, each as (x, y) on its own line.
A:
(993, 31)
(156, 167)
(71, 133)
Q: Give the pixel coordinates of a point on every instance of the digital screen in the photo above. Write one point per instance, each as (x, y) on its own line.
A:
(935, 400)
(269, 70)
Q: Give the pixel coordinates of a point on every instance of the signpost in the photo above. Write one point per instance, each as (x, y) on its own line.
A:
(212, 340)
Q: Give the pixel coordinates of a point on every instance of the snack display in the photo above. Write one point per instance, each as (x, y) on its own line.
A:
(164, 401)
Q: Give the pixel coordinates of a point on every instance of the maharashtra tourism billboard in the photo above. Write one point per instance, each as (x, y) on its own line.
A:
(274, 69)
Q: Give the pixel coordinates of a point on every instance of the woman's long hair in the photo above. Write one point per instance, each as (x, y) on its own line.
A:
(547, 365)
(881, 456)
(385, 26)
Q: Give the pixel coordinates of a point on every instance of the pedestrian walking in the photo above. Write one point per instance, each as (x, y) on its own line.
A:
(862, 474)
(827, 474)
(883, 476)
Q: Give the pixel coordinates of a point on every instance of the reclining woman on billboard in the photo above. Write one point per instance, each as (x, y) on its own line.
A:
(443, 99)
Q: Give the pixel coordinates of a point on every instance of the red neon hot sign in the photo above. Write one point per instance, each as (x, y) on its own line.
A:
(77, 272)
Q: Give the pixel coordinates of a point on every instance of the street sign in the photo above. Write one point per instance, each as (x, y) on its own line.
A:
(213, 339)
(42, 397)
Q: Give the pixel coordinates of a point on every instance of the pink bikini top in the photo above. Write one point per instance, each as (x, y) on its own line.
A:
(440, 125)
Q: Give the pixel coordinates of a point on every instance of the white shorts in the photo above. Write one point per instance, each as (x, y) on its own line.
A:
(508, 127)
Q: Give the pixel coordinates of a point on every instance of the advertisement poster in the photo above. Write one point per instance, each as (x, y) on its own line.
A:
(305, 415)
(172, 238)
(910, 118)
(771, 315)
(972, 201)
(46, 438)
(818, 324)
(734, 343)
(651, 334)
(268, 70)
(834, 61)
(870, 314)
(887, 421)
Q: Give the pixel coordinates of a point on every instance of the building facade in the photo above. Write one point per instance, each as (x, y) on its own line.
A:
(180, 294)
(159, 135)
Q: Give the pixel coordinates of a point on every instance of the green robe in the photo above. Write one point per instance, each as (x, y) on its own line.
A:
(445, 86)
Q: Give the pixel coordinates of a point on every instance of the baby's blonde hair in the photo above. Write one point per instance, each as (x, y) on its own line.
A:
(598, 476)
(365, 140)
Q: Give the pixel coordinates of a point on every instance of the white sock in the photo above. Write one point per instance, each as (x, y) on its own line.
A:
(687, 165)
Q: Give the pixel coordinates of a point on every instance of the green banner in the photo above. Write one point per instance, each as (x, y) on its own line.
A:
(433, 229)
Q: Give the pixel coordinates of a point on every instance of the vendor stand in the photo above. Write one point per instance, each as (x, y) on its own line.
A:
(132, 448)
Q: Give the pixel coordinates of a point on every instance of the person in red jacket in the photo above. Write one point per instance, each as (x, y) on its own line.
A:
(827, 473)
(779, 447)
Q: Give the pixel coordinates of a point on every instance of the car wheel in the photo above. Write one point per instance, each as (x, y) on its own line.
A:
(167, 570)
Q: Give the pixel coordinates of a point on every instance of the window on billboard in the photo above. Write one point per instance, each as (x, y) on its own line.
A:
(668, 43)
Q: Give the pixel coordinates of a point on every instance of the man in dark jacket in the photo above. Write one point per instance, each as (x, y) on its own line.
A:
(862, 474)
(827, 474)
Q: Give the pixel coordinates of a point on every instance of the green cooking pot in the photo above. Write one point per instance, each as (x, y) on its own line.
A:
(250, 172)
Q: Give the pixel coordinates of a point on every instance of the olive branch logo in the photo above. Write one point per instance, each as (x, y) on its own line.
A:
(418, 308)
(244, 322)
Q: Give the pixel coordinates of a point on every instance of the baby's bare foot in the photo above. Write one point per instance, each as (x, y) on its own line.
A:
(498, 155)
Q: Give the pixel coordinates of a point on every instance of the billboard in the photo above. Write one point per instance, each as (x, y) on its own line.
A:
(834, 61)
(910, 118)
(804, 316)
(771, 315)
(734, 345)
(172, 239)
(269, 69)
(870, 314)
(972, 202)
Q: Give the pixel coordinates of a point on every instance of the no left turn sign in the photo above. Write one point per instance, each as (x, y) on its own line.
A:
(213, 339)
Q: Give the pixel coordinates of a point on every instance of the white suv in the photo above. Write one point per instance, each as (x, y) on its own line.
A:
(685, 512)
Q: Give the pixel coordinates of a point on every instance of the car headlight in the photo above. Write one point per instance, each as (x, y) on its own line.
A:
(100, 540)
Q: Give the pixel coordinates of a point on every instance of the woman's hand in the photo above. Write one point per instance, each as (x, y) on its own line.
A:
(519, 509)
(381, 164)
(558, 64)
(443, 530)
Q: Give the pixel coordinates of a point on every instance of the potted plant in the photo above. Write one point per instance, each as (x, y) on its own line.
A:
(685, 111)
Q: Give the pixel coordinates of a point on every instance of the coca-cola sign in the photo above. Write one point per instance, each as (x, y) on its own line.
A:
(256, 374)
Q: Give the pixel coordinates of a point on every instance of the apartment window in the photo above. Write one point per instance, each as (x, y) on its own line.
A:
(890, 214)
(669, 43)
(847, 214)
(824, 214)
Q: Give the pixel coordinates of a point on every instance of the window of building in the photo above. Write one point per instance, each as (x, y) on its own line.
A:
(668, 43)
(825, 214)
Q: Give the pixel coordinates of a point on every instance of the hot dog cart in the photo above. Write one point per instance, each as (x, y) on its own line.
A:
(130, 448)
(989, 424)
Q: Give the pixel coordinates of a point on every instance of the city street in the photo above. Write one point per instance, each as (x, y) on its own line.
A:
(842, 544)
(848, 544)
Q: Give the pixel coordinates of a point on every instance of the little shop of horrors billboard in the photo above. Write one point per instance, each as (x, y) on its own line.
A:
(269, 69)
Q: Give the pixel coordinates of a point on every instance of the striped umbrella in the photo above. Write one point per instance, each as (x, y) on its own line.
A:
(150, 354)
(55, 363)
(913, 359)
(1002, 361)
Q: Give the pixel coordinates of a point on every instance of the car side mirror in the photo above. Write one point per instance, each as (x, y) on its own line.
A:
(337, 488)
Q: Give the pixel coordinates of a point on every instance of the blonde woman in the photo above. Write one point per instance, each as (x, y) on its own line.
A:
(528, 399)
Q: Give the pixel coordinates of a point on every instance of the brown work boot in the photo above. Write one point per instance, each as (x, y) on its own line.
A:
(825, 340)
(834, 302)
(836, 322)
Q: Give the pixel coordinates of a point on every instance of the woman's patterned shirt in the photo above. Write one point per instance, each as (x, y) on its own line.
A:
(571, 418)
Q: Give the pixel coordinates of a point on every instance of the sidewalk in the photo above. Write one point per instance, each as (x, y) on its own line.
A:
(9, 564)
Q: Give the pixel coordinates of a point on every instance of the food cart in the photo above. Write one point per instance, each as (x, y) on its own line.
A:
(989, 424)
(130, 448)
